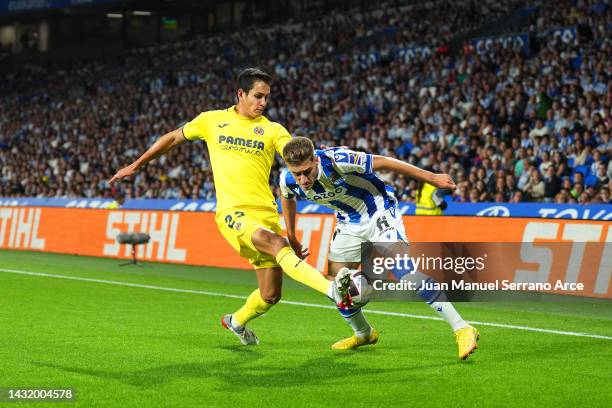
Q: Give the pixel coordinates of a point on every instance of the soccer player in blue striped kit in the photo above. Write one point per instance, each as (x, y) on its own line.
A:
(367, 211)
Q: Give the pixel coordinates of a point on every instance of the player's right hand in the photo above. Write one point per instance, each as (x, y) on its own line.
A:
(123, 173)
(443, 181)
(296, 245)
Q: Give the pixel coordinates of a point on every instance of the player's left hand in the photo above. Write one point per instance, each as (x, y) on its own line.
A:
(443, 181)
(296, 245)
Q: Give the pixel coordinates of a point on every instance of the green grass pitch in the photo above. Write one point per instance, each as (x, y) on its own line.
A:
(124, 346)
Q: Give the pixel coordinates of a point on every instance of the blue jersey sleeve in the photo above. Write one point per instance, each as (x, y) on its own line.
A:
(349, 161)
(285, 190)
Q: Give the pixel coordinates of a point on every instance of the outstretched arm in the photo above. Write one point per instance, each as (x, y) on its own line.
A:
(289, 211)
(162, 145)
(399, 167)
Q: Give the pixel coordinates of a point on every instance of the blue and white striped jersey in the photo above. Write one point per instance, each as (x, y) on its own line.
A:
(346, 183)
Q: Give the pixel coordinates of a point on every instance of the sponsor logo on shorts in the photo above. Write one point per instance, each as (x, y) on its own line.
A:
(238, 226)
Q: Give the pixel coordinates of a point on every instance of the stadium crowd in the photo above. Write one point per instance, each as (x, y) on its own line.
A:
(508, 124)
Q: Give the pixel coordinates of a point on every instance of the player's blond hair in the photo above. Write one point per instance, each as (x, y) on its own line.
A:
(298, 150)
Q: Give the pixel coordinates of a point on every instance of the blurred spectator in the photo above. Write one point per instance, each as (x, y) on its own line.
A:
(506, 125)
(552, 184)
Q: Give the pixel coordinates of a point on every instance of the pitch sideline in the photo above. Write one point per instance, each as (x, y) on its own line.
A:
(288, 302)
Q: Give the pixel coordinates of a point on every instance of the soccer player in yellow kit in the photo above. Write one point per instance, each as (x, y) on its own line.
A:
(242, 144)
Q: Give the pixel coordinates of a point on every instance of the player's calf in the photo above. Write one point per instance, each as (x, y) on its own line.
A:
(363, 332)
(270, 295)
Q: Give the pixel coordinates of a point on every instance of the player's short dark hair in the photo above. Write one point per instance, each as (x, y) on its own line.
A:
(298, 150)
(248, 76)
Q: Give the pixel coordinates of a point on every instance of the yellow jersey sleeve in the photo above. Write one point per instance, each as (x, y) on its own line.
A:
(281, 138)
(198, 127)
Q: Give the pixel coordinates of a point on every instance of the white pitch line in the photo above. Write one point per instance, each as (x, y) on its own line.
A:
(288, 302)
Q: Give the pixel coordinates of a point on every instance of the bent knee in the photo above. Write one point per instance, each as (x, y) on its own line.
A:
(279, 242)
(271, 298)
(269, 242)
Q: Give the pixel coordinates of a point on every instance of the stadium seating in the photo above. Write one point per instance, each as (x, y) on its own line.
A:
(390, 85)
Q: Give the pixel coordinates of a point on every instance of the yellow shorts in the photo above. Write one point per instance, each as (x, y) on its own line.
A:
(237, 227)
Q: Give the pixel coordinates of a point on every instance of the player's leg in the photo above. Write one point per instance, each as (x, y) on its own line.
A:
(466, 335)
(258, 303)
(345, 252)
(256, 235)
(233, 224)
(261, 299)
(363, 333)
(270, 282)
(273, 244)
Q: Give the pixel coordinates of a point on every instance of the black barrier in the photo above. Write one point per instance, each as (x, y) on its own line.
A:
(133, 239)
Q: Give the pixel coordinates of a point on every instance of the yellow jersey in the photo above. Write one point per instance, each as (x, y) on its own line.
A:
(241, 155)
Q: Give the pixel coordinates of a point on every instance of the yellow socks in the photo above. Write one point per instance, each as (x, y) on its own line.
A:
(298, 270)
(254, 306)
(301, 271)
